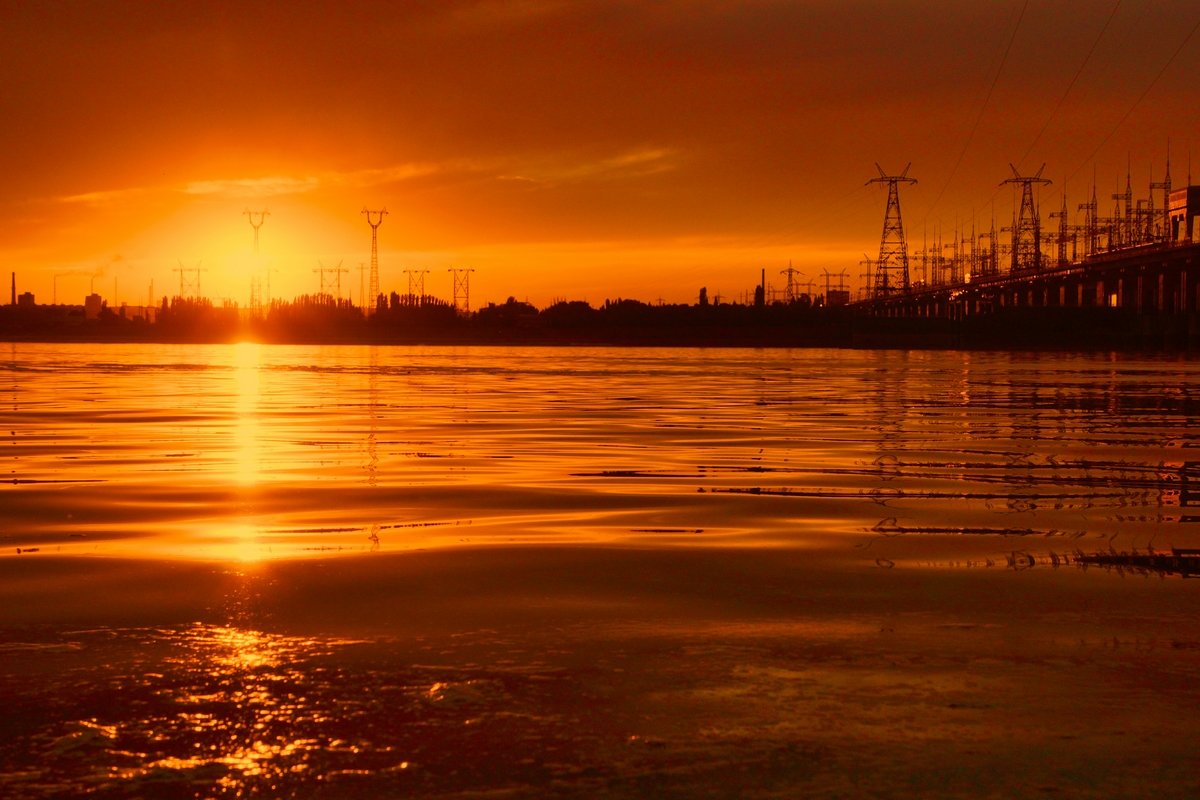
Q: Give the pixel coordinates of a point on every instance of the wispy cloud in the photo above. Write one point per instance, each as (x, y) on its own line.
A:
(103, 197)
(630, 164)
(396, 173)
(544, 172)
(269, 186)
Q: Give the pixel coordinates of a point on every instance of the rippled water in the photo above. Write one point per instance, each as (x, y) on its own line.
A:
(340, 571)
(254, 451)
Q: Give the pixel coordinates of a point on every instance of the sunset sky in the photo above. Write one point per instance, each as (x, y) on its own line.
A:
(574, 150)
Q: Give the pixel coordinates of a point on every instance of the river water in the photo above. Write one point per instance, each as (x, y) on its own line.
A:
(257, 570)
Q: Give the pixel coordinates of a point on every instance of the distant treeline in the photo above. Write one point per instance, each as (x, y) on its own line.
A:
(409, 320)
(428, 320)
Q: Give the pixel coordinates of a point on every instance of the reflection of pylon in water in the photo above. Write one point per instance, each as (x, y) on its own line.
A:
(372, 464)
(372, 453)
(891, 268)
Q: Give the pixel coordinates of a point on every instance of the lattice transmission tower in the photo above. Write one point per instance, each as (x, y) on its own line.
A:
(331, 279)
(374, 219)
(1063, 235)
(462, 288)
(257, 218)
(1091, 224)
(256, 301)
(1160, 230)
(792, 288)
(1027, 225)
(189, 287)
(416, 286)
(891, 268)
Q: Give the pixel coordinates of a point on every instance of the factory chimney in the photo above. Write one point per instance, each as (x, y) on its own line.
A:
(14, 288)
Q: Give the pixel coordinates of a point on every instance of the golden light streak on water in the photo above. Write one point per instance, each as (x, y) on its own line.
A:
(247, 357)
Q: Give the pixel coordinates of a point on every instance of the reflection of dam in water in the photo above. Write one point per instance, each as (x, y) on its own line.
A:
(1184, 563)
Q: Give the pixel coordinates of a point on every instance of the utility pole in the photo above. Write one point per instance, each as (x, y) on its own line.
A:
(374, 219)
(891, 269)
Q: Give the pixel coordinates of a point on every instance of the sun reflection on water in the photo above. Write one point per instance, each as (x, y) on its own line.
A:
(246, 359)
(242, 711)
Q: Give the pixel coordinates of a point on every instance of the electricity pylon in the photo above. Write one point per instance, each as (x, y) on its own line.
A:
(416, 286)
(189, 287)
(891, 268)
(262, 217)
(462, 288)
(377, 221)
(792, 290)
(331, 286)
(1027, 225)
(267, 297)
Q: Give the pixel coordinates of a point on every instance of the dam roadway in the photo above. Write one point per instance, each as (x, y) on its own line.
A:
(1154, 280)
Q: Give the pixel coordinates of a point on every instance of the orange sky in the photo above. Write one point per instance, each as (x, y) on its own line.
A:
(577, 150)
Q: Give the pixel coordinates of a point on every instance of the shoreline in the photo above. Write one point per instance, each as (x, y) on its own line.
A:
(1050, 329)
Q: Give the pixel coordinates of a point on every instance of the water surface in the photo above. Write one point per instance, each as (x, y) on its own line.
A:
(339, 571)
(253, 451)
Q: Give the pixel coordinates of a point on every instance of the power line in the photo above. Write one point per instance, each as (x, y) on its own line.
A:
(1071, 85)
(1142, 97)
(982, 108)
